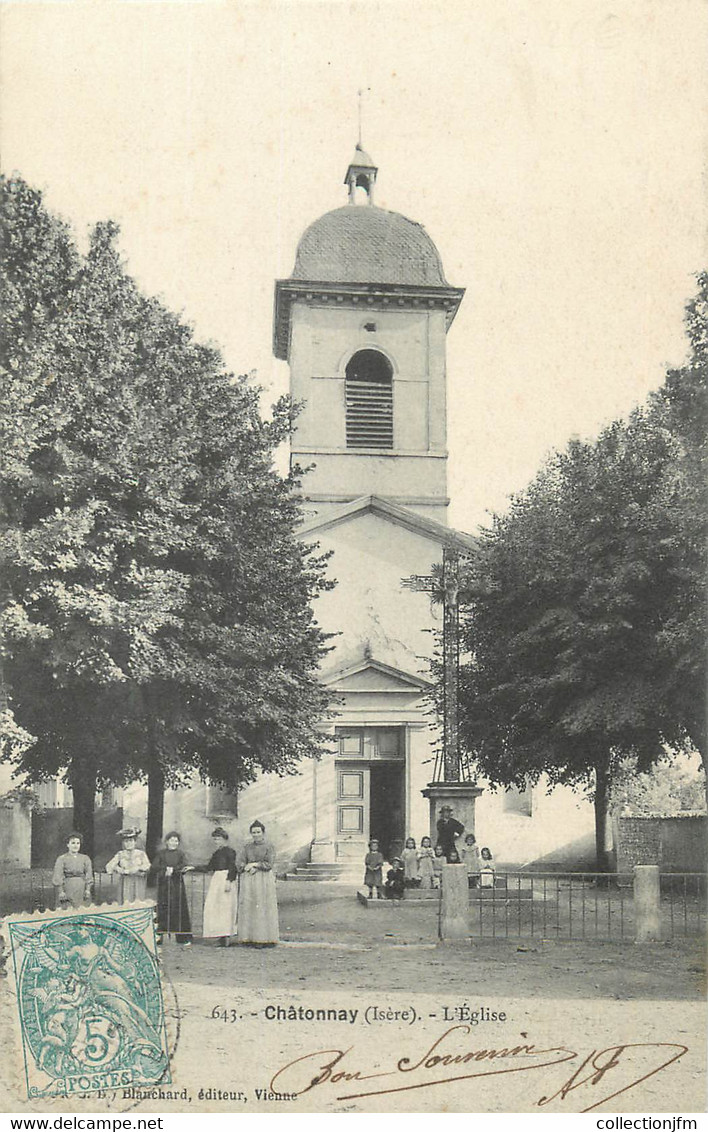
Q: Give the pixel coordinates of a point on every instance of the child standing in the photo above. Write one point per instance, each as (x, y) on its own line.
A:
(410, 865)
(470, 858)
(373, 863)
(425, 857)
(438, 862)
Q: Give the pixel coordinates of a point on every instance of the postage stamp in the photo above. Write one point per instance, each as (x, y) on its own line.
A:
(89, 1001)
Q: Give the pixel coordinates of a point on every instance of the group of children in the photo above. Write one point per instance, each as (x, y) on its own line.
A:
(422, 867)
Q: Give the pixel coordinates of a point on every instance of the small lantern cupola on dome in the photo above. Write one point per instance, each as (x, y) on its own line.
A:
(361, 174)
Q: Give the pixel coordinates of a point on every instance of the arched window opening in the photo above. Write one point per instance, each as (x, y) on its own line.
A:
(369, 400)
(359, 194)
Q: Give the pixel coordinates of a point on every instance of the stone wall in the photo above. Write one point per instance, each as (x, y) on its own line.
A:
(677, 843)
(15, 837)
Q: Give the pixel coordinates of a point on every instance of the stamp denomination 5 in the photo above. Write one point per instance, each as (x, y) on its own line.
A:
(89, 1000)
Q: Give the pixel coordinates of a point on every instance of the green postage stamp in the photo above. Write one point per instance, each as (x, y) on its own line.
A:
(89, 1001)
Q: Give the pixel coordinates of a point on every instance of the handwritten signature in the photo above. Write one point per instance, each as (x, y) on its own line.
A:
(337, 1068)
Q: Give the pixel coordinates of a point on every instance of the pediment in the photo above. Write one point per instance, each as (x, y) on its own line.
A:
(391, 513)
(374, 676)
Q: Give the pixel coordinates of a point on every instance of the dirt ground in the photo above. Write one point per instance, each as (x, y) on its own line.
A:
(330, 941)
(228, 1047)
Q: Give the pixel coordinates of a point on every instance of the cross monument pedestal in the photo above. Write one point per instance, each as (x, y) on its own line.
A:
(460, 796)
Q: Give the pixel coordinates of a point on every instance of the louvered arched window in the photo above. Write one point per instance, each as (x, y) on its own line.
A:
(369, 400)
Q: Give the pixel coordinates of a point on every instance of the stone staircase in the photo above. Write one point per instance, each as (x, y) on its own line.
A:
(311, 871)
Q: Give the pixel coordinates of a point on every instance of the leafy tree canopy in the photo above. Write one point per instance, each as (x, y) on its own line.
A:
(585, 631)
(156, 602)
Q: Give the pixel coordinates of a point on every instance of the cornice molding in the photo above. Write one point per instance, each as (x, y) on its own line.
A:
(367, 296)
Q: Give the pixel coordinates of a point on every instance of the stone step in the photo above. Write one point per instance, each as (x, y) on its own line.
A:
(313, 878)
(320, 867)
(411, 895)
(422, 895)
(308, 873)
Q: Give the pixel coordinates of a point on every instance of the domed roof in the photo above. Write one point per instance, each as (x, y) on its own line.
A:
(365, 244)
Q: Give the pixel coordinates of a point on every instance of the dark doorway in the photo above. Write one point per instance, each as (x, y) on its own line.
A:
(387, 818)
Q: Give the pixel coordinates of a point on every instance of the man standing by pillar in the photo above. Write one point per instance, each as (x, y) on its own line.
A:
(449, 829)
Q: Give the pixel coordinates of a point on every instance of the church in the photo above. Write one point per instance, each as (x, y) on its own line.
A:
(362, 322)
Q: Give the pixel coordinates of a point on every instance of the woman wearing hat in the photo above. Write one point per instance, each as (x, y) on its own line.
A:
(131, 865)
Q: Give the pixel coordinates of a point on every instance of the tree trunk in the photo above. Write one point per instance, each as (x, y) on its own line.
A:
(156, 778)
(155, 809)
(82, 779)
(602, 783)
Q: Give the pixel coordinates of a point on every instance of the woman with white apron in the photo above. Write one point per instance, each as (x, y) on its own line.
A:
(221, 904)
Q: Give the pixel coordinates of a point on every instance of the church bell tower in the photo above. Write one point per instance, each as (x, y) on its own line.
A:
(362, 322)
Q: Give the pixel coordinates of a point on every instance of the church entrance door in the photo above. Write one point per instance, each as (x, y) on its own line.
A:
(370, 791)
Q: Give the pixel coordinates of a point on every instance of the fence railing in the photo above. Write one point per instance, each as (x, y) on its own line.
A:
(33, 891)
(683, 904)
(583, 906)
(542, 906)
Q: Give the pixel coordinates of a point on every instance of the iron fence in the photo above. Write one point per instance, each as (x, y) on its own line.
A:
(541, 906)
(582, 906)
(33, 891)
(683, 904)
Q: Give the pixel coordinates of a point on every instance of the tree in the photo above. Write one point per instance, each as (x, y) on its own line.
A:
(670, 788)
(679, 516)
(585, 632)
(157, 616)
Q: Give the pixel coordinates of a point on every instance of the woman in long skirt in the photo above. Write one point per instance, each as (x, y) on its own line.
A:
(257, 903)
(220, 906)
(169, 866)
(73, 875)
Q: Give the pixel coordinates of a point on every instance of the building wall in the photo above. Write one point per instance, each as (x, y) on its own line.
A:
(284, 805)
(375, 616)
(369, 608)
(558, 834)
(323, 341)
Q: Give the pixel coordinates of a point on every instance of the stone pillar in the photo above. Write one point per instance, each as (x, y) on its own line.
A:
(454, 917)
(461, 796)
(647, 895)
(323, 850)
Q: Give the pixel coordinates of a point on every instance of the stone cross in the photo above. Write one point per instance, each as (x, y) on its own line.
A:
(449, 594)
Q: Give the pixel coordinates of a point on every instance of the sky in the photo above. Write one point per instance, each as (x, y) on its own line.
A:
(554, 151)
